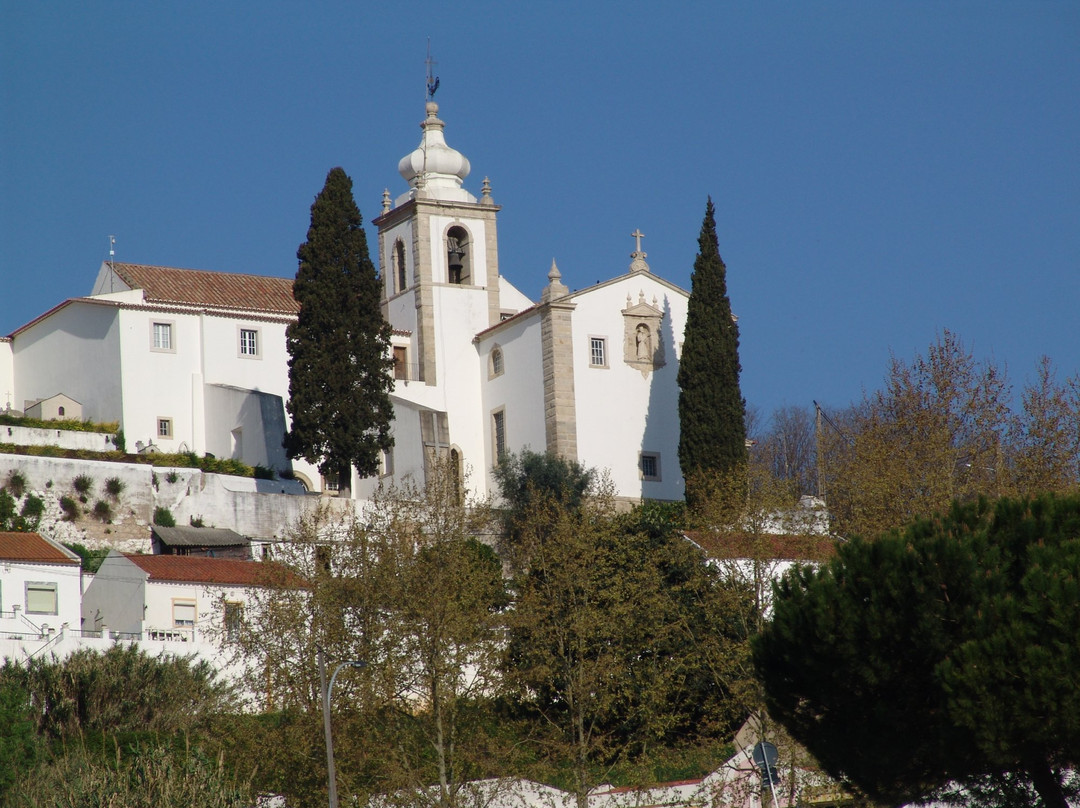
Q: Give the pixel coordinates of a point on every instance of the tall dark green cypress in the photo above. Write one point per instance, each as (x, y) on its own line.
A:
(712, 429)
(339, 347)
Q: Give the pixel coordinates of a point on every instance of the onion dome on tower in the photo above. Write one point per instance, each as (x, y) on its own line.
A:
(433, 169)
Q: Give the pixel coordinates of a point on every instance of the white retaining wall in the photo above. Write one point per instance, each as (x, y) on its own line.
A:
(64, 438)
(255, 508)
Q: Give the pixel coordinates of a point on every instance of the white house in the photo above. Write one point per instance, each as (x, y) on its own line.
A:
(40, 585)
(183, 360)
(195, 360)
(171, 598)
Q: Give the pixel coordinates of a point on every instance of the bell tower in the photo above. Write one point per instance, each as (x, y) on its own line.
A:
(438, 251)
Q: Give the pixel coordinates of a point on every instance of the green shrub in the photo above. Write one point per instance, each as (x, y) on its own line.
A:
(91, 559)
(84, 483)
(208, 464)
(264, 473)
(114, 487)
(32, 510)
(196, 521)
(16, 483)
(69, 424)
(163, 517)
(172, 477)
(103, 511)
(119, 441)
(70, 509)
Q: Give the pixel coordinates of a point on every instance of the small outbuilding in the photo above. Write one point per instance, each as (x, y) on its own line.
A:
(210, 542)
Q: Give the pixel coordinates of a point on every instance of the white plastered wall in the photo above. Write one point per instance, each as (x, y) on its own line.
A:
(620, 413)
(519, 391)
(75, 351)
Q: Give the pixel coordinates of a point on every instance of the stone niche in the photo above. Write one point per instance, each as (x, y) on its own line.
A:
(643, 347)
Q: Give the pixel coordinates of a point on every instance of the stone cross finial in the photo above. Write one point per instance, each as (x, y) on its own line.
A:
(638, 263)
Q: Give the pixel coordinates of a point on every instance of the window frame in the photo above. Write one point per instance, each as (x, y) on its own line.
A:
(169, 327)
(42, 586)
(655, 457)
(256, 334)
(232, 618)
(498, 424)
(194, 604)
(496, 362)
(594, 341)
(401, 368)
(168, 435)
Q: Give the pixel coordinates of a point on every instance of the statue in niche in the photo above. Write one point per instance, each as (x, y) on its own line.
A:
(643, 345)
(644, 342)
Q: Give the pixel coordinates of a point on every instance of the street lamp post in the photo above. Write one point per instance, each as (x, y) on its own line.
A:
(326, 690)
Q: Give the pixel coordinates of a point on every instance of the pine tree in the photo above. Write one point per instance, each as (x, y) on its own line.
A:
(339, 365)
(712, 427)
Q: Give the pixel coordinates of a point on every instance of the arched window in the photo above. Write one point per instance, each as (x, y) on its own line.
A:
(495, 367)
(458, 256)
(398, 260)
(60, 411)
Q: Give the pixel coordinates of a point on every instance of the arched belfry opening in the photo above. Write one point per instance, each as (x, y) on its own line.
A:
(458, 256)
(398, 260)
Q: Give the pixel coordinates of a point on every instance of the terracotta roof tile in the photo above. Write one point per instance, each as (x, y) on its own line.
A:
(198, 569)
(32, 547)
(198, 287)
(769, 545)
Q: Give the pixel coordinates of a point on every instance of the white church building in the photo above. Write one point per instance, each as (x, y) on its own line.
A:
(189, 360)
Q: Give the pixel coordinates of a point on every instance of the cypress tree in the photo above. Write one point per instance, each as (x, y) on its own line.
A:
(712, 431)
(339, 347)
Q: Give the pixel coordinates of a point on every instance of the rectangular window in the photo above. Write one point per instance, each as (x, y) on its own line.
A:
(164, 427)
(249, 342)
(330, 482)
(40, 598)
(386, 462)
(649, 465)
(598, 352)
(498, 434)
(184, 613)
(234, 619)
(401, 362)
(161, 336)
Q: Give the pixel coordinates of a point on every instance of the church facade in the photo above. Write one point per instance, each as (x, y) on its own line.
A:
(484, 370)
(191, 360)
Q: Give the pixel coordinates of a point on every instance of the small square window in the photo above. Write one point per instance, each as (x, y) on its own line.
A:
(598, 352)
(164, 427)
(41, 598)
(161, 337)
(249, 342)
(649, 465)
(330, 482)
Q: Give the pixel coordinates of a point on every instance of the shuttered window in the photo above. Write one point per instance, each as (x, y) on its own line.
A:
(41, 598)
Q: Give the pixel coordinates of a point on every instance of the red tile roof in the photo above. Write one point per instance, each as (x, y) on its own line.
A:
(764, 546)
(198, 287)
(32, 547)
(202, 570)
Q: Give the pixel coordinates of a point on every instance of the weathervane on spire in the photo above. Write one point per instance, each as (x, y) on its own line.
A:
(432, 81)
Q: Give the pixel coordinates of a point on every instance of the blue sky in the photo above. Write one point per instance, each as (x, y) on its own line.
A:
(881, 171)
